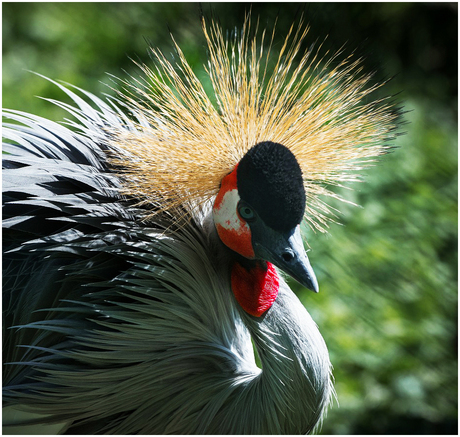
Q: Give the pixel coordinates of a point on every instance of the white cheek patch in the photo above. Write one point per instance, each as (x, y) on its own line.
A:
(226, 214)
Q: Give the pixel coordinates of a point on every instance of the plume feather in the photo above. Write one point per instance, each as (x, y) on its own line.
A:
(193, 138)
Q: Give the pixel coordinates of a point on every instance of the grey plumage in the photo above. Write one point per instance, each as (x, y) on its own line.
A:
(114, 324)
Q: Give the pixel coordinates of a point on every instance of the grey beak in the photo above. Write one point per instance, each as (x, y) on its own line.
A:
(287, 252)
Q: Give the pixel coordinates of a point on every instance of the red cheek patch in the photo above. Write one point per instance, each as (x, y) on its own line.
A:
(255, 289)
(238, 240)
(233, 231)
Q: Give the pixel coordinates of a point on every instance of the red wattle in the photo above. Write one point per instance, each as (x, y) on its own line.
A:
(255, 289)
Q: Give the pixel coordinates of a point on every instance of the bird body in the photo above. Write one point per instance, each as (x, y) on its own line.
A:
(140, 258)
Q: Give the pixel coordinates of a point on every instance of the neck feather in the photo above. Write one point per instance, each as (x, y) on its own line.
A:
(296, 371)
(294, 387)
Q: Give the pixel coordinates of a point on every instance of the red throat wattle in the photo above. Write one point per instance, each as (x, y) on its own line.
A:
(256, 288)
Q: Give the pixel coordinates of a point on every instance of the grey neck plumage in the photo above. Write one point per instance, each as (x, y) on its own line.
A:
(296, 370)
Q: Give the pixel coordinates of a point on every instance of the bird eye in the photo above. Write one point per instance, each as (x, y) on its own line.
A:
(246, 212)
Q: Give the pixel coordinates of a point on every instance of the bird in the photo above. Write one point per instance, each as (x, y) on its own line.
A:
(147, 241)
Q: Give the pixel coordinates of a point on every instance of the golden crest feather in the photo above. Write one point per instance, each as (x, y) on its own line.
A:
(192, 139)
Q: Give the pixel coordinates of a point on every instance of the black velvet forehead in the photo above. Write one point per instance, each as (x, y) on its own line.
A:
(270, 180)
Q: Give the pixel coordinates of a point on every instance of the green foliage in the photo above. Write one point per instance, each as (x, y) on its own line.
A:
(387, 306)
(388, 278)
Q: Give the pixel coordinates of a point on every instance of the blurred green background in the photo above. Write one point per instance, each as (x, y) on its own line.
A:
(388, 275)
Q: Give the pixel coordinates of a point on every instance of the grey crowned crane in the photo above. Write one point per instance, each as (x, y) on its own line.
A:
(143, 244)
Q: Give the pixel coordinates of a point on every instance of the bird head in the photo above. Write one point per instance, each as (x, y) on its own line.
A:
(258, 211)
(259, 208)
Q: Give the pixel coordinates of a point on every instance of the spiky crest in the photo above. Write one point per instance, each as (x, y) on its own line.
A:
(191, 140)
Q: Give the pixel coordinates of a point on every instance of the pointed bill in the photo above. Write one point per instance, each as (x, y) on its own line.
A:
(287, 252)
